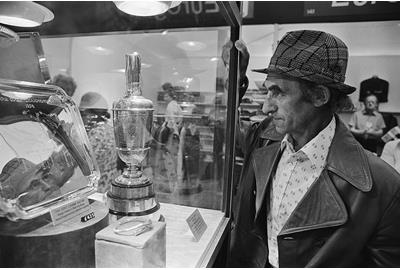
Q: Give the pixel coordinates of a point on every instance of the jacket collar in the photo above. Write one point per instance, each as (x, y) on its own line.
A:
(346, 159)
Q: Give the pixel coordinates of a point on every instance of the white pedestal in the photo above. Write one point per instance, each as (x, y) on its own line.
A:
(145, 250)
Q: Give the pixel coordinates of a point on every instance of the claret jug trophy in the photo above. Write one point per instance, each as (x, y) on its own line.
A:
(132, 193)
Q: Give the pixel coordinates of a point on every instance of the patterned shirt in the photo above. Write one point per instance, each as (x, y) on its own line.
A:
(101, 137)
(294, 175)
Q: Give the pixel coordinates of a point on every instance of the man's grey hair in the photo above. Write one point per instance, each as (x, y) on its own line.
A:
(338, 101)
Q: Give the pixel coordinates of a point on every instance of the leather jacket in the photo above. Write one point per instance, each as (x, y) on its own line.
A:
(350, 216)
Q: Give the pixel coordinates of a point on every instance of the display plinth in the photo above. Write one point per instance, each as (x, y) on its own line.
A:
(37, 243)
(144, 250)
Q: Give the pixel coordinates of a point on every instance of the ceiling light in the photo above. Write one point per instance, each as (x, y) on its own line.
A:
(191, 45)
(98, 50)
(24, 13)
(213, 59)
(143, 8)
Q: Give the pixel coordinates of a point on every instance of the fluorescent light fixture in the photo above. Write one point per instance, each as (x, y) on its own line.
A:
(213, 59)
(99, 50)
(24, 13)
(191, 45)
(143, 8)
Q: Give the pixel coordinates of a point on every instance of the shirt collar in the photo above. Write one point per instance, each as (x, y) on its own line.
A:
(365, 112)
(316, 149)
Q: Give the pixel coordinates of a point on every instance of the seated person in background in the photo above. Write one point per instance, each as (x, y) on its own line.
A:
(95, 116)
(367, 125)
(391, 153)
(65, 82)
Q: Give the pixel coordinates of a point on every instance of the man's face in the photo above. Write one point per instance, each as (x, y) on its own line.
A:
(167, 97)
(371, 103)
(289, 108)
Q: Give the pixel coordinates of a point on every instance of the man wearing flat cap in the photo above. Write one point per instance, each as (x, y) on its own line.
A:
(316, 198)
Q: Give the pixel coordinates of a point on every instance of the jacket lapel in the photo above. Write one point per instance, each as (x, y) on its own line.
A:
(264, 161)
(320, 207)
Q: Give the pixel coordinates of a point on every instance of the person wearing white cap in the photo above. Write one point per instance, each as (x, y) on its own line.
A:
(317, 198)
(94, 112)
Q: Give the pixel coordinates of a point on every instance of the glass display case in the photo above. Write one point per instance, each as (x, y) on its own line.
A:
(184, 75)
(194, 95)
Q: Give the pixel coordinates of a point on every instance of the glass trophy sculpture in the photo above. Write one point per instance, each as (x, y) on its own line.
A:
(46, 159)
(132, 193)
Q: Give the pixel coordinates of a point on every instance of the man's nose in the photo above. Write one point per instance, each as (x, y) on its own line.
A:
(269, 106)
(45, 186)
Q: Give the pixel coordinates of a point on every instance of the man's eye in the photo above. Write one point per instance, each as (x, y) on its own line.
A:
(35, 183)
(274, 91)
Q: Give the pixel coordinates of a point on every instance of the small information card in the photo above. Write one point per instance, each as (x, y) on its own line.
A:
(69, 210)
(196, 224)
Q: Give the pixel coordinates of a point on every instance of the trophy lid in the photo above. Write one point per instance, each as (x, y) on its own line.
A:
(133, 100)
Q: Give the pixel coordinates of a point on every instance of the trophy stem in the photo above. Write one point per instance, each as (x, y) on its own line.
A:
(132, 171)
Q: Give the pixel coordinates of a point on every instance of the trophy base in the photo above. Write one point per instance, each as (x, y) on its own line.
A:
(132, 200)
(129, 207)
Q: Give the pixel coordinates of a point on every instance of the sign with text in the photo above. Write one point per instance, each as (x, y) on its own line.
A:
(69, 210)
(342, 8)
(196, 224)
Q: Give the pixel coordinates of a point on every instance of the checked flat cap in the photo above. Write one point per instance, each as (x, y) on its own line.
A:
(314, 56)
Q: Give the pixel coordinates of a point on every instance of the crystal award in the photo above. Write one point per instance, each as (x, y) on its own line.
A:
(46, 158)
(132, 193)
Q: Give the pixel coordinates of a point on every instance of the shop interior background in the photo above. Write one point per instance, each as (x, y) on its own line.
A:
(190, 58)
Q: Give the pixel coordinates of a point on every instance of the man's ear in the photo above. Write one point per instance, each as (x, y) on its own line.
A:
(321, 95)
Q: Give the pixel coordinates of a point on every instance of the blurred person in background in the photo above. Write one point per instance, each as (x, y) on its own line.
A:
(391, 153)
(367, 125)
(95, 116)
(173, 112)
(67, 83)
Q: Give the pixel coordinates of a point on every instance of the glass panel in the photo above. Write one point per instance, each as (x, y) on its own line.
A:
(184, 75)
